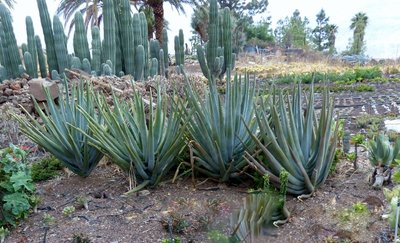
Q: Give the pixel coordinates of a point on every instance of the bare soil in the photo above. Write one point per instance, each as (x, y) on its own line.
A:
(192, 212)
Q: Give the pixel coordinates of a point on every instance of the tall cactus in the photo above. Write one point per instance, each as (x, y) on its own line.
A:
(137, 31)
(161, 63)
(81, 45)
(181, 47)
(154, 67)
(11, 42)
(145, 43)
(76, 63)
(109, 47)
(154, 48)
(30, 33)
(24, 48)
(127, 37)
(48, 35)
(60, 47)
(41, 58)
(165, 47)
(139, 63)
(5, 62)
(86, 67)
(217, 59)
(28, 60)
(96, 50)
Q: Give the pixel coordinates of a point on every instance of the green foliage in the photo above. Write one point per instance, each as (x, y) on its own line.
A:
(291, 138)
(358, 138)
(358, 24)
(381, 151)
(396, 177)
(365, 88)
(45, 168)
(324, 34)
(16, 185)
(3, 233)
(48, 219)
(260, 34)
(146, 148)
(64, 128)
(293, 32)
(215, 126)
(68, 211)
(48, 35)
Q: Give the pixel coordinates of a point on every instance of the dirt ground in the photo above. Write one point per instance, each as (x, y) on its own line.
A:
(193, 213)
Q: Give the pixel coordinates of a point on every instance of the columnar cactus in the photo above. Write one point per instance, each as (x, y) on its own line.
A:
(139, 63)
(81, 45)
(3, 51)
(161, 63)
(109, 47)
(24, 48)
(165, 47)
(181, 47)
(110, 64)
(106, 70)
(30, 33)
(21, 70)
(145, 43)
(3, 74)
(60, 47)
(55, 75)
(12, 47)
(118, 52)
(154, 67)
(86, 67)
(218, 59)
(48, 35)
(154, 48)
(127, 37)
(76, 63)
(41, 58)
(137, 32)
(28, 60)
(96, 50)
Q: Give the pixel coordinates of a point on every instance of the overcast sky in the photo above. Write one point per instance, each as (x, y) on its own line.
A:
(382, 34)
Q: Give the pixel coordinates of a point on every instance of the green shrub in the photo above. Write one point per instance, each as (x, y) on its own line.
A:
(45, 168)
(16, 186)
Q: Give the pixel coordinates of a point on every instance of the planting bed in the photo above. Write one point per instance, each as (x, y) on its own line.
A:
(194, 214)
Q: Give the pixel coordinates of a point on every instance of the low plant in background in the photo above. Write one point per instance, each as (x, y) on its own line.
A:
(3, 233)
(381, 155)
(294, 139)
(68, 211)
(364, 88)
(16, 186)
(64, 128)
(139, 143)
(45, 168)
(217, 134)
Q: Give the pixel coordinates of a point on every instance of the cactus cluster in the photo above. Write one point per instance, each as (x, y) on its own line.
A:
(217, 58)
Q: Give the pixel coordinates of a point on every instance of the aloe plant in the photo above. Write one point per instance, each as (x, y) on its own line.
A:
(59, 134)
(147, 148)
(295, 140)
(381, 151)
(218, 136)
(260, 209)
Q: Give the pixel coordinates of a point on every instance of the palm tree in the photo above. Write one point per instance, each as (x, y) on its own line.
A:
(9, 3)
(332, 30)
(91, 9)
(358, 24)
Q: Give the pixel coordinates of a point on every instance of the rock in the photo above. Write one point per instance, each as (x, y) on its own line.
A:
(15, 86)
(3, 99)
(8, 92)
(36, 89)
(144, 193)
(3, 87)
